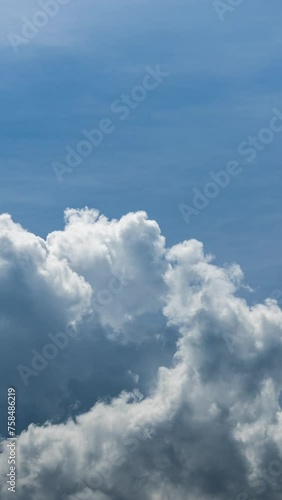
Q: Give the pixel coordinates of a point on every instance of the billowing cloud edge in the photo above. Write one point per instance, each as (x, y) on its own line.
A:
(211, 427)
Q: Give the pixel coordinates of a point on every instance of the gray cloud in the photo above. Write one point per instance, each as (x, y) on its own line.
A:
(207, 423)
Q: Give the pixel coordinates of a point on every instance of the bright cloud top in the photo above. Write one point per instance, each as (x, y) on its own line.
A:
(210, 428)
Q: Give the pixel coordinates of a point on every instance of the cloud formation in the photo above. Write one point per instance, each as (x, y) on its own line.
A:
(209, 424)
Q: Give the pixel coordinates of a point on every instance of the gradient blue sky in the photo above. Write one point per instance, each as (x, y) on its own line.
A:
(224, 80)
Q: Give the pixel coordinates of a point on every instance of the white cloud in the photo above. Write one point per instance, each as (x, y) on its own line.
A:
(31, 272)
(131, 249)
(211, 426)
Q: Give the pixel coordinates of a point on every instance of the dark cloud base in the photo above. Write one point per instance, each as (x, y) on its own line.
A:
(169, 384)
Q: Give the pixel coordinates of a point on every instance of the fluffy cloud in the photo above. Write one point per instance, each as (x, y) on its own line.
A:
(39, 294)
(113, 256)
(209, 426)
(109, 273)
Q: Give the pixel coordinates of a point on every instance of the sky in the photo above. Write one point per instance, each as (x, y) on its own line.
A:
(141, 207)
(222, 87)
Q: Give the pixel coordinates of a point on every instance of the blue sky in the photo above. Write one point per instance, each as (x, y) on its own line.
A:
(223, 83)
(178, 331)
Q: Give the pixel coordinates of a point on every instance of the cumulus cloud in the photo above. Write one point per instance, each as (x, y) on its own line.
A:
(209, 425)
(108, 272)
(130, 251)
(39, 293)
